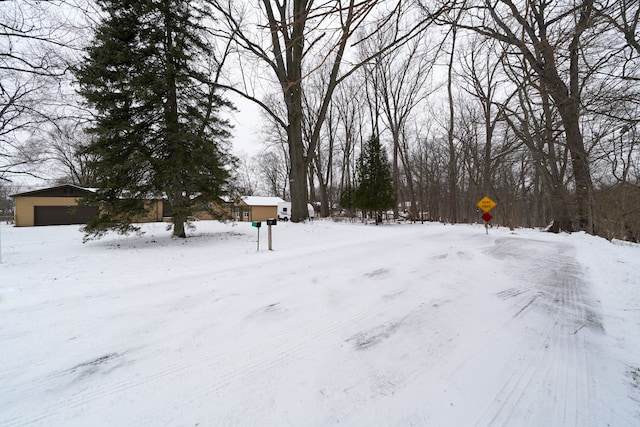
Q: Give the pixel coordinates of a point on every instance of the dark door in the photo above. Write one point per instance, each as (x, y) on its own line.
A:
(63, 215)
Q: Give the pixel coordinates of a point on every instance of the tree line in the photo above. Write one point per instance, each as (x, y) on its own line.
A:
(532, 103)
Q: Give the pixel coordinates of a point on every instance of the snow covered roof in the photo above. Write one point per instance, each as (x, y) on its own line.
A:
(261, 201)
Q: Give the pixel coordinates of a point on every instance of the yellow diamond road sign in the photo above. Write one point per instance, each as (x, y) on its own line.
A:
(486, 204)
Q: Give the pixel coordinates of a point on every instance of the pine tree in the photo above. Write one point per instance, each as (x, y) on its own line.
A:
(375, 186)
(157, 129)
(346, 199)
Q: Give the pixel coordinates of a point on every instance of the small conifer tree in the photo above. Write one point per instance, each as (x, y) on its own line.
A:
(346, 199)
(374, 192)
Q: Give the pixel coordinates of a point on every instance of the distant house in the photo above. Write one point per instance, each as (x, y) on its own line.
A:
(256, 208)
(52, 206)
(219, 209)
(59, 206)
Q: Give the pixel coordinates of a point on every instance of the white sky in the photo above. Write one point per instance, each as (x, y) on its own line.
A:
(247, 126)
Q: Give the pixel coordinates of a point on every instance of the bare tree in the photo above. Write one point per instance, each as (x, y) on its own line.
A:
(452, 169)
(299, 37)
(533, 120)
(430, 161)
(323, 158)
(350, 122)
(624, 16)
(246, 175)
(6, 202)
(400, 82)
(36, 43)
(549, 37)
(63, 145)
(481, 67)
(274, 172)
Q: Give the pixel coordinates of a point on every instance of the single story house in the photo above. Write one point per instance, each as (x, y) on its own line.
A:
(220, 209)
(59, 206)
(52, 206)
(256, 208)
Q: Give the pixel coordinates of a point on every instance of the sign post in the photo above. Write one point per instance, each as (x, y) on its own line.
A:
(270, 222)
(257, 224)
(486, 204)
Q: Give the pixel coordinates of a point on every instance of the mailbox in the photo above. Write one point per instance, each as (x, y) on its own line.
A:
(272, 221)
(256, 224)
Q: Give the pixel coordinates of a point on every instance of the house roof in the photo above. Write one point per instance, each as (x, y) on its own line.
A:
(261, 201)
(66, 190)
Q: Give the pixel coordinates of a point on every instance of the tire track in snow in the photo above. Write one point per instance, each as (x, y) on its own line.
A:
(287, 350)
(168, 286)
(53, 380)
(556, 361)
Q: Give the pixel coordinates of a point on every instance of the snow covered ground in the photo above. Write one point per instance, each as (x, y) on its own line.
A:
(342, 324)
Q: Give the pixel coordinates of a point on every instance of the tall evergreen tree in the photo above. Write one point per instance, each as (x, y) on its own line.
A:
(148, 78)
(375, 185)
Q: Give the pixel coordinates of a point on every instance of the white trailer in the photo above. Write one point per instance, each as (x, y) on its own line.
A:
(284, 211)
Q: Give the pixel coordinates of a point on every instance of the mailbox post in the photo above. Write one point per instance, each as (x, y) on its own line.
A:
(270, 222)
(257, 224)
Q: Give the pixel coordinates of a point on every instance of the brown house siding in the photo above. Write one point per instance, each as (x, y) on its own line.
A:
(256, 208)
(262, 213)
(26, 208)
(59, 205)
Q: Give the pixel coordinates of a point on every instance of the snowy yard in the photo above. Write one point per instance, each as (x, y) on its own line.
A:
(342, 324)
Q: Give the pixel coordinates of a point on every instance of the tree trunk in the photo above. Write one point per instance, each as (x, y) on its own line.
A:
(582, 175)
(404, 156)
(176, 151)
(453, 172)
(298, 175)
(323, 191)
(559, 210)
(567, 100)
(292, 87)
(395, 173)
(178, 225)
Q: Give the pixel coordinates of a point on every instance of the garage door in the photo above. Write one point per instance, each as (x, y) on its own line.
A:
(63, 215)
